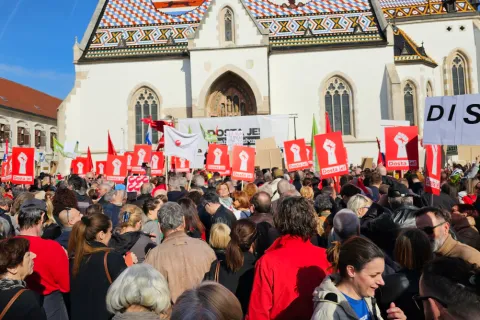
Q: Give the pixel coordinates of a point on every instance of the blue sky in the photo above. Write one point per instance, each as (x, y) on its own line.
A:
(36, 40)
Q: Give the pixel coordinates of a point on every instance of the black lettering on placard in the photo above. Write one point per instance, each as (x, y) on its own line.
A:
(472, 112)
(430, 112)
(452, 111)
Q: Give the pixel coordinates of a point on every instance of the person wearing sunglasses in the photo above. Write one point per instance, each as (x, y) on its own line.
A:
(449, 289)
(435, 223)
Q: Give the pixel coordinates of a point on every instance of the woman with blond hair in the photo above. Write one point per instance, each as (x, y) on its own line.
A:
(306, 192)
(250, 189)
(359, 204)
(219, 239)
(128, 237)
(51, 230)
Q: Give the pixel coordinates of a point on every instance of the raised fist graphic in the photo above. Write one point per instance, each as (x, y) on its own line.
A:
(329, 146)
(129, 160)
(80, 168)
(218, 155)
(141, 157)
(308, 153)
(182, 163)
(296, 153)
(401, 140)
(155, 159)
(22, 159)
(244, 159)
(435, 155)
(101, 167)
(5, 171)
(117, 164)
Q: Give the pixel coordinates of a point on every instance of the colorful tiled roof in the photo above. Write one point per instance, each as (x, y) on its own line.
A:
(406, 50)
(412, 8)
(25, 99)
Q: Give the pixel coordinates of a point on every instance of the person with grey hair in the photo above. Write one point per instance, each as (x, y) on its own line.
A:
(102, 190)
(284, 189)
(199, 182)
(345, 225)
(145, 194)
(116, 199)
(174, 191)
(359, 204)
(139, 292)
(179, 258)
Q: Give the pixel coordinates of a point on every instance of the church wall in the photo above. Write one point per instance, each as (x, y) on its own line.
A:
(298, 86)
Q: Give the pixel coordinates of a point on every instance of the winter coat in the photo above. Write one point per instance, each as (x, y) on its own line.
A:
(285, 278)
(141, 200)
(136, 242)
(83, 202)
(404, 216)
(377, 225)
(26, 306)
(112, 211)
(454, 249)
(336, 306)
(64, 237)
(467, 233)
(152, 227)
(274, 186)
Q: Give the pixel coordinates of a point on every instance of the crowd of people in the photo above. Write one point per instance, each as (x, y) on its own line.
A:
(369, 245)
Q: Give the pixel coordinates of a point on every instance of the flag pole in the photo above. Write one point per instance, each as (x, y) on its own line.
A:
(191, 178)
(166, 172)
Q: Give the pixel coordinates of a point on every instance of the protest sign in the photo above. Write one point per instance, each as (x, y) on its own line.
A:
(23, 165)
(309, 152)
(116, 168)
(267, 154)
(79, 166)
(129, 156)
(134, 183)
(218, 158)
(100, 167)
(181, 164)
(7, 170)
(331, 154)
(243, 163)
(142, 154)
(401, 148)
(295, 154)
(433, 168)
(234, 138)
(158, 164)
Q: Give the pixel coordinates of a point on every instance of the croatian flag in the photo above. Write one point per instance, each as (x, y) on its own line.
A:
(148, 137)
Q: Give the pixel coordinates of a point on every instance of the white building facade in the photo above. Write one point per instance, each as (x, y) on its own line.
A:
(361, 61)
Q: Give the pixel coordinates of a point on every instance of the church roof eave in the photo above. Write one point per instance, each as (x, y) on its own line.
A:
(405, 50)
(408, 9)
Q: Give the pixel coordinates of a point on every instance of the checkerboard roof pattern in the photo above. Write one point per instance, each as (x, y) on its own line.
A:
(405, 3)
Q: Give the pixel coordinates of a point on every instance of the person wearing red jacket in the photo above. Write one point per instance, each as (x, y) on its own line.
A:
(289, 271)
(50, 277)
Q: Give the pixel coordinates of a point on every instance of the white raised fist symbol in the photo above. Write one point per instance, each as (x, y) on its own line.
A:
(435, 155)
(5, 170)
(296, 153)
(155, 161)
(308, 153)
(100, 167)
(10, 166)
(141, 157)
(80, 168)
(329, 146)
(129, 160)
(182, 163)
(117, 164)
(218, 154)
(22, 159)
(401, 140)
(244, 159)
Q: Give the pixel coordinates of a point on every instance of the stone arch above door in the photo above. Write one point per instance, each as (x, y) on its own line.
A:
(230, 96)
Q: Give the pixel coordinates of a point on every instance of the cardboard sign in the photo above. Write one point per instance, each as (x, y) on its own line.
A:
(116, 168)
(295, 152)
(331, 154)
(366, 163)
(401, 148)
(309, 152)
(181, 164)
(129, 156)
(23, 165)
(268, 155)
(433, 168)
(243, 163)
(158, 164)
(7, 170)
(218, 158)
(234, 138)
(79, 166)
(134, 183)
(100, 167)
(142, 153)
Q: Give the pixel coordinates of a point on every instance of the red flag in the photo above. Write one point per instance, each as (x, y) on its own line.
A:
(159, 125)
(328, 127)
(89, 161)
(381, 156)
(111, 148)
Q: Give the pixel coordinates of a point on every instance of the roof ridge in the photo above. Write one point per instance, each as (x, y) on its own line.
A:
(28, 87)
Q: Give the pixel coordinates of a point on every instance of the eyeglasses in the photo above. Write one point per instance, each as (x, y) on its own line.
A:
(429, 230)
(418, 298)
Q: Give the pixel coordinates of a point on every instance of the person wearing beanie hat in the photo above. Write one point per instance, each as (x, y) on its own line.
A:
(345, 225)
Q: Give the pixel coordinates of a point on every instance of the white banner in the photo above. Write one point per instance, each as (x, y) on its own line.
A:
(253, 128)
(452, 120)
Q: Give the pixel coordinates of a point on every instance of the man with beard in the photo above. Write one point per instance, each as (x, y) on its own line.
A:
(435, 223)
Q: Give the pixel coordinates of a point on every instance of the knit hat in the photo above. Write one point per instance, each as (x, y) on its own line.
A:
(34, 204)
(346, 224)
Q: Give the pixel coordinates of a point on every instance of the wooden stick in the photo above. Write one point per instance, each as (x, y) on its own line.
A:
(166, 172)
(191, 178)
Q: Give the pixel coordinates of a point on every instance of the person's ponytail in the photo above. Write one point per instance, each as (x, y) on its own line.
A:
(242, 236)
(333, 255)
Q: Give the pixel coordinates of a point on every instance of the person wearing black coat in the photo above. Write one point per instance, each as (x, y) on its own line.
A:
(24, 303)
(213, 212)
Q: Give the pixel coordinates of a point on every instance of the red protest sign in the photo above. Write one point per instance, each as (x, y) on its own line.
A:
(218, 158)
(134, 183)
(129, 156)
(243, 163)
(157, 164)
(401, 148)
(181, 164)
(331, 154)
(116, 168)
(433, 166)
(7, 170)
(142, 153)
(309, 152)
(100, 167)
(23, 165)
(295, 154)
(79, 166)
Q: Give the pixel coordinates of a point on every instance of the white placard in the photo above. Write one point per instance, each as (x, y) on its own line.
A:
(234, 138)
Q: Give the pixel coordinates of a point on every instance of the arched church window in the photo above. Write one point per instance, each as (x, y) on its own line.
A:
(338, 104)
(228, 20)
(409, 98)
(429, 89)
(145, 105)
(459, 75)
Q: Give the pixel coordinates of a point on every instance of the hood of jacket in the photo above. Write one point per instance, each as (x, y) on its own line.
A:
(123, 243)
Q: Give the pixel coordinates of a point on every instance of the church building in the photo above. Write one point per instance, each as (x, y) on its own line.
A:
(362, 61)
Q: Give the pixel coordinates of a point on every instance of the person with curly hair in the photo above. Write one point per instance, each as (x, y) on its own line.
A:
(64, 198)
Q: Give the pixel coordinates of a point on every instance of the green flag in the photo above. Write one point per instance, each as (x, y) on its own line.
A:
(312, 143)
(209, 137)
(58, 147)
(189, 129)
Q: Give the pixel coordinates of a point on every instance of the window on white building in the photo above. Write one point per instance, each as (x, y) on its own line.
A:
(409, 98)
(40, 138)
(429, 89)
(146, 105)
(4, 132)
(459, 75)
(228, 21)
(23, 136)
(338, 104)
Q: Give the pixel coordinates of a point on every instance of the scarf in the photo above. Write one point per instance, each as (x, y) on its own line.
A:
(7, 284)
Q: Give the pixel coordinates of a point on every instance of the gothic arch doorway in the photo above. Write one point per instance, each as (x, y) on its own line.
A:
(230, 96)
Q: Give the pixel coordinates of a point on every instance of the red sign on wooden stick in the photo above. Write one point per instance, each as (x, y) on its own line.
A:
(295, 154)
(243, 163)
(401, 148)
(218, 158)
(331, 154)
